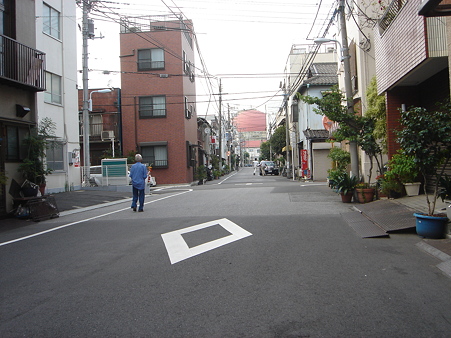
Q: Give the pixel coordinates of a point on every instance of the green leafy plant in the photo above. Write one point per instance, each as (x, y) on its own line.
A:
(340, 161)
(3, 178)
(390, 183)
(346, 183)
(376, 109)
(201, 173)
(216, 173)
(33, 167)
(341, 158)
(403, 168)
(426, 136)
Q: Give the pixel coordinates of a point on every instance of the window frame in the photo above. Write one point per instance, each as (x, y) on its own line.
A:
(142, 62)
(51, 28)
(54, 154)
(151, 107)
(50, 94)
(152, 159)
(21, 133)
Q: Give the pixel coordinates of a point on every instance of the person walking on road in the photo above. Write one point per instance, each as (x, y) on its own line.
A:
(262, 168)
(255, 165)
(138, 174)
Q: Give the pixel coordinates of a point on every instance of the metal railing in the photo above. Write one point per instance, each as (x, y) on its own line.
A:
(96, 129)
(21, 64)
(390, 14)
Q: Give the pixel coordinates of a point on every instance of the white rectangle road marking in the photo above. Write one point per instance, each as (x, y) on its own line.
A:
(179, 250)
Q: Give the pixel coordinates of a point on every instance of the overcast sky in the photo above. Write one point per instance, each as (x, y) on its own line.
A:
(245, 43)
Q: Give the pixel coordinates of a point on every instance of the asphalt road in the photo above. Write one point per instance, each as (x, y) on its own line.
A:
(248, 256)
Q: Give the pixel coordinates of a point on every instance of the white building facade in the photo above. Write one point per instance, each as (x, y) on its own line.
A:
(56, 36)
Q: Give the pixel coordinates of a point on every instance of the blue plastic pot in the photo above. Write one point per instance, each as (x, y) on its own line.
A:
(431, 226)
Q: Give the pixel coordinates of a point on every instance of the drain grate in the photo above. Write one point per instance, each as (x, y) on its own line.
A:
(362, 225)
(388, 215)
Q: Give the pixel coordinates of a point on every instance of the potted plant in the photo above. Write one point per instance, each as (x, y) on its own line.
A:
(33, 167)
(345, 185)
(216, 173)
(389, 185)
(340, 161)
(364, 192)
(405, 170)
(201, 174)
(426, 136)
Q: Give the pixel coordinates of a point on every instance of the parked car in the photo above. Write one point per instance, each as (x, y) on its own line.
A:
(269, 167)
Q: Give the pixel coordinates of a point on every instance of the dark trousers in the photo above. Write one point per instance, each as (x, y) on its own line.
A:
(138, 194)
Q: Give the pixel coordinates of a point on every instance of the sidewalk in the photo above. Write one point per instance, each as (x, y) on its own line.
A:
(439, 248)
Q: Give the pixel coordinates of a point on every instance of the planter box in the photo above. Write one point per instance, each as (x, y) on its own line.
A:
(412, 189)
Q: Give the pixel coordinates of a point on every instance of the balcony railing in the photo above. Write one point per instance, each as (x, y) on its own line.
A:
(96, 129)
(21, 65)
(390, 14)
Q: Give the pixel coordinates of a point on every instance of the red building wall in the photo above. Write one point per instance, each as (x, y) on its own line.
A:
(428, 94)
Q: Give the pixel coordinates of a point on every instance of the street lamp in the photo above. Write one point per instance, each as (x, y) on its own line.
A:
(106, 90)
(86, 109)
(320, 41)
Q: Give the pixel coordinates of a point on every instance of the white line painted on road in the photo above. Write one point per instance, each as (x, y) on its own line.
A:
(86, 220)
(178, 249)
(247, 183)
(309, 185)
(225, 179)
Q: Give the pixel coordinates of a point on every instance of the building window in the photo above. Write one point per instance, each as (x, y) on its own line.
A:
(149, 59)
(152, 106)
(53, 91)
(156, 156)
(51, 21)
(54, 155)
(188, 109)
(14, 143)
(7, 18)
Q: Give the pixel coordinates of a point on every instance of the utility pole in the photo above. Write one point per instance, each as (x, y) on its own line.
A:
(348, 84)
(220, 124)
(287, 136)
(86, 151)
(229, 138)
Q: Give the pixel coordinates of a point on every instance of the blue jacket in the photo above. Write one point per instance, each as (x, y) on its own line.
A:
(138, 174)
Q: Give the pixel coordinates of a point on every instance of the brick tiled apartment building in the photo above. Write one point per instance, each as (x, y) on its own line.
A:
(158, 95)
(411, 62)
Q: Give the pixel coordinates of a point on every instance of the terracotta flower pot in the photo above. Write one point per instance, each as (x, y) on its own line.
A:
(364, 195)
(42, 189)
(347, 198)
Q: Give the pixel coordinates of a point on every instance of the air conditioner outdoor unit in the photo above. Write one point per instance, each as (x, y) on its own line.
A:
(107, 135)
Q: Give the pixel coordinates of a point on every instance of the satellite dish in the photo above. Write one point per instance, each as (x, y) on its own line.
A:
(327, 123)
